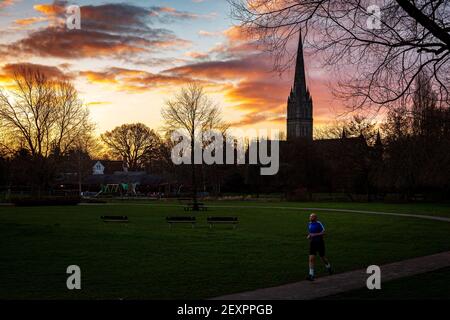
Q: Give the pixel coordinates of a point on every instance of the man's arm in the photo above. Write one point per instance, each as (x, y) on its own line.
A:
(317, 234)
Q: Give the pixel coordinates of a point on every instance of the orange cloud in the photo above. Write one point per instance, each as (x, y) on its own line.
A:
(29, 21)
(237, 33)
(250, 84)
(134, 81)
(49, 9)
(247, 83)
(258, 117)
(9, 70)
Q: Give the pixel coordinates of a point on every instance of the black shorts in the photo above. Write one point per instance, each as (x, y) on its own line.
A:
(317, 247)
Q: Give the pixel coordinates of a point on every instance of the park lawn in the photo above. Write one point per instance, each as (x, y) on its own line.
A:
(431, 209)
(430, 285)
(428, 209)
(145, 259)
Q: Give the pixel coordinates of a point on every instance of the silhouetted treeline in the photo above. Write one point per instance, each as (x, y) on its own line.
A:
(406, 157)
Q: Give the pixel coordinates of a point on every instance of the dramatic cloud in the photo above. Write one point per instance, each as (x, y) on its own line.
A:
(249, 82)
(139, 39)
(8, 71)
(229, 70)
(258, 117)
(58, 42)
(130, 80)
(246, 83)
(110, 30)
(246, 76)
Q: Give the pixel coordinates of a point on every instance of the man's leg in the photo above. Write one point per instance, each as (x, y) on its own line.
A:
(324, 259)
(312, 260)
(327, 264)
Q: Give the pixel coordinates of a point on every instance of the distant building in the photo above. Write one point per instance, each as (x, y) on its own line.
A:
(102, 167)
(343, 164)
(98, 168)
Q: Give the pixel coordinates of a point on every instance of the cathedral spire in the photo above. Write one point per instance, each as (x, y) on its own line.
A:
(300, 105)
(300, 79)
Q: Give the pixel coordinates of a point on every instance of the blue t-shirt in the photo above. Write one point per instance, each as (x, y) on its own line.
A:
(316, 227)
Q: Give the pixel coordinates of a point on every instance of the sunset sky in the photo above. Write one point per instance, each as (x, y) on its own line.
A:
(129, 57)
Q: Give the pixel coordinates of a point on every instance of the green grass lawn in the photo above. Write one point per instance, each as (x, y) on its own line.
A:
(145, 259)
(434, 209)
(431, 209)
(431, 285)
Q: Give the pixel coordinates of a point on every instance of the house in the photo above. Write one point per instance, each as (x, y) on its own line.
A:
(98, 168)
(102, 167)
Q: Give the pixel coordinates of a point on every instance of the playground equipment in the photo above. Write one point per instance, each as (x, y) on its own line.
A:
(117, 189)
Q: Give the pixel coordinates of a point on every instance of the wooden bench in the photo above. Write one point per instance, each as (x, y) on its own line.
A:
(115, 219)
(179, 219)
(222, 220)
(190, 206)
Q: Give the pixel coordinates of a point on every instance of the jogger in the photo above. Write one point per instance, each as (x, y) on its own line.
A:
(316, 231)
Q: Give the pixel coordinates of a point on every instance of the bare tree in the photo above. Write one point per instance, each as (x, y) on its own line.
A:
(354, 126)
(330, 131)
(426, 115)
(42, 115)
(135, 143)
(375, 66)
(361, 125)
(192, 112)
(422, 117)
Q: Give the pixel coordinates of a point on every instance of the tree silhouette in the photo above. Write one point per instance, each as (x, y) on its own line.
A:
(44, 118)
(136, 143)
(373, 67)
(192, 112)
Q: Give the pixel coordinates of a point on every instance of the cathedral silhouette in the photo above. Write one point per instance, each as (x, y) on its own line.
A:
(299, 104)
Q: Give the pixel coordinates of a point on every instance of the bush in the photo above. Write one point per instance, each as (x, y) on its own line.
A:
(45, 201)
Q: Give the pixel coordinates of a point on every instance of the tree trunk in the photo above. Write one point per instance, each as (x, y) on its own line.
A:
(79, 175)
(195, 206)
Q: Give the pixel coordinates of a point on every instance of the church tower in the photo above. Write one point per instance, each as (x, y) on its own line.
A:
(299, 105)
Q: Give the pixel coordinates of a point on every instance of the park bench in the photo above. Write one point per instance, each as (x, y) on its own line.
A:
(181, 219)
(114, 218)
(190, 206)
(222, 220)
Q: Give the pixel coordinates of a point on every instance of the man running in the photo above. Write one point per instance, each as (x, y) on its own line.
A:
(316, 232)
